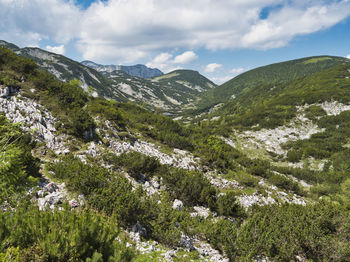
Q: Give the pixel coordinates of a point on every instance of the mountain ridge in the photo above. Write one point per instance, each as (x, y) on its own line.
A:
(272, 74)
(138, 70)
(116, 84)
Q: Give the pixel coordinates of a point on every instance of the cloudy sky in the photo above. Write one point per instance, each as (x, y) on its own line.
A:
(219, 38)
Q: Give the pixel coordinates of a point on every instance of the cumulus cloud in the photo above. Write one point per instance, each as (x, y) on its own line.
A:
(27, 22)
(210, 68)
(56, 49)
(127, 31)
(348, 56)
(166, 63)
(185, 58)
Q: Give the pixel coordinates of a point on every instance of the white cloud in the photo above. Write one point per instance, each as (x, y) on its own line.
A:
(161, 61)
(348, 56)
(56, 49)
(237, 70)
(27, 22)
(166, 63)
(210, 68)
(162, 58)
(125, 31)
(185, 58)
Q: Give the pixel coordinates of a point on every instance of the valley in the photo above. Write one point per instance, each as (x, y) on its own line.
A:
(93, 168)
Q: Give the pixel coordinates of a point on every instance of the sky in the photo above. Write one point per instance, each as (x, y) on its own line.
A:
(218, 38)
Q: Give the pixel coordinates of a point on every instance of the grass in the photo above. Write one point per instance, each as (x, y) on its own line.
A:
(315, 60)
(171, 75)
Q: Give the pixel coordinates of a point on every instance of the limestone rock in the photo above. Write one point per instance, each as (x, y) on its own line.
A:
(178, 205)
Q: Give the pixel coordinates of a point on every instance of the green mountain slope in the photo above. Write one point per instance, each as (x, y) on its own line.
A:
(267, 75)
(301, 128)
(266, 106)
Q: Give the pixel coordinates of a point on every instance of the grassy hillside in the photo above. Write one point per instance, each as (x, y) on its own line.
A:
(270, 106)
(270, 75)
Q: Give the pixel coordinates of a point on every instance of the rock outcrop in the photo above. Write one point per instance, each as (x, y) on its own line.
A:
(33, 118)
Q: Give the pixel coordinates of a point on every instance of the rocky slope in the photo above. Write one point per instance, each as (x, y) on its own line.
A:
(171, 96)
(139, 70)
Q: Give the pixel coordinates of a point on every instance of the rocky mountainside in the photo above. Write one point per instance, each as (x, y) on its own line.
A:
(139, 70)
(263, 179)
(171, 97)
(65, 69)
(167, 92)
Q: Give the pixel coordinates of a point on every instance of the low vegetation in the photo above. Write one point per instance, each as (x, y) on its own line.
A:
(319, 231)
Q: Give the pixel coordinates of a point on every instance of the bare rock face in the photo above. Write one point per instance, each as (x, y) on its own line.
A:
(186, 242)
(33, 118)
(179, 158)
(50, 195)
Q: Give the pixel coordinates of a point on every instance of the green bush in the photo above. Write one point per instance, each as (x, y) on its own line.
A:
(294, 156)
(314, 232)
(61, 235)
(227, 205)
(18, 168)
(105, 191)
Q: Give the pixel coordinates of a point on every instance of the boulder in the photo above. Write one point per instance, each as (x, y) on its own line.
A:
(178, 205)
(74, 203)
(138, 228)
(186, 242)
(50, 187)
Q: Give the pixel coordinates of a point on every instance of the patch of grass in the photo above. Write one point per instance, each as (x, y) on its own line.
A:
(316, 60)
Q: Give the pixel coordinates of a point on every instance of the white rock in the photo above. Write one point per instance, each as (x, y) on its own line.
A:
(177, 204)
(74, 203)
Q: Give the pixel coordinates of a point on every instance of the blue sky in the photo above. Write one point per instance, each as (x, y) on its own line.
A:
(218, 38)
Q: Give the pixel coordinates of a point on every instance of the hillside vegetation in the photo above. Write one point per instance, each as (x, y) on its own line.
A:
(144, 178)
(266, 76)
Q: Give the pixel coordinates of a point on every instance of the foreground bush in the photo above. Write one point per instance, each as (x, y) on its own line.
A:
(60, 236)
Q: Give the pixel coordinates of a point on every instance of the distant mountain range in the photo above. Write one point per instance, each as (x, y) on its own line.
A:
(171, 93)
(139, 70)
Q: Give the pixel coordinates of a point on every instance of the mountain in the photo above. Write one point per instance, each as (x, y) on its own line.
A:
(273, 74)
(263, 178)
(172, 92)
(183, 79)
(302, 124)
(170, 96)
(141, 71)
(66, 70)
